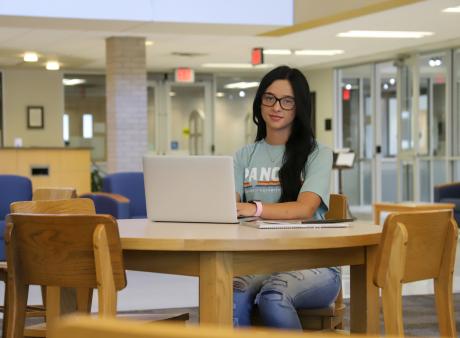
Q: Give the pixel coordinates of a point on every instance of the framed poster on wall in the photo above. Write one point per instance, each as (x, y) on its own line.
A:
(35, 118)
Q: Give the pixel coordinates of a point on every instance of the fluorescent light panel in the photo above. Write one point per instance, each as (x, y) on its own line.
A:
(241, 85)
(72, 82)
(319, 52)
(52, 65)
(277, 52)
(30, 57)
(452, 10)
(235, 65)
(385, 34)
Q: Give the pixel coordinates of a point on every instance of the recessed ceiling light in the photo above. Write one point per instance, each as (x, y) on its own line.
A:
(30, 57)
(172, 93)
(452, 10)
(385, 34)
(319, 52)
(235, 65)
(52, 65)
(220, 94)
(148, 43)
(434, 62)
(241, 85)
(73, 82)
(277, 52)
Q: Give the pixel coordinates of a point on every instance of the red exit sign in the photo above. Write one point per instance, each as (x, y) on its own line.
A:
(184, 74)
(257, 56)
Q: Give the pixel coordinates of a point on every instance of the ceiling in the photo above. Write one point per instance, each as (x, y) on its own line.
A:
(79, 45)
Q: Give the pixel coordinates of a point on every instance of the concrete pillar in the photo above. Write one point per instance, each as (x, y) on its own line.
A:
(126, 91)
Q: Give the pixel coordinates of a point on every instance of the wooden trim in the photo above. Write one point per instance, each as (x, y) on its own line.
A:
(346, 15)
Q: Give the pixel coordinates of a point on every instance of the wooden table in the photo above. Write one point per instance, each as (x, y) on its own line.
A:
(408, 206)
(217, 252)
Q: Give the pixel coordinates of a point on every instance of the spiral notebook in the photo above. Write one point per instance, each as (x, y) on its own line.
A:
(307, 224)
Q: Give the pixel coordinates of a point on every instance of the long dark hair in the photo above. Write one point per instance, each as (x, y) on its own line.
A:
(302, 141)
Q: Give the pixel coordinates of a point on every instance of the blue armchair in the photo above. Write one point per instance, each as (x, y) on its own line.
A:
(449, 193)
(123, 196)
(13, 188)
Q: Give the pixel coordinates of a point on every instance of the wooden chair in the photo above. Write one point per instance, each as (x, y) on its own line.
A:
(81, 301)
(329, 317)
(417, 246)
(79, 251)
(83, 326)
(42, 194)
(38, 194)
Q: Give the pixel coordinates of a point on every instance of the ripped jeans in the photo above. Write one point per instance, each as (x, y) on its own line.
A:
(280, 294)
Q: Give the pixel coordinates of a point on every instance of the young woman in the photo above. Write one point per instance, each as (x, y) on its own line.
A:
(283, 175)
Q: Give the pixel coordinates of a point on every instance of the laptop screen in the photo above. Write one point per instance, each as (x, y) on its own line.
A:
(190, 189)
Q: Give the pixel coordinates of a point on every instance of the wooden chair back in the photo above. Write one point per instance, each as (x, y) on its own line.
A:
(417, 246)
(84, 326)
(73, 206)
(54, 194)
(79, 251)
(330, 317)
(338, 207)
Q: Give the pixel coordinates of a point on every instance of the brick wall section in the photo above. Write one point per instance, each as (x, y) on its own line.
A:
(126, 86)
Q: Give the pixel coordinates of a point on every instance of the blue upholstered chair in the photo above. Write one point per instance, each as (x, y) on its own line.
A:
(123, 196)
(13, 188)
(449, 193)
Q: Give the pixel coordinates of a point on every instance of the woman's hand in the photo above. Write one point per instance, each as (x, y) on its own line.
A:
(246, 209)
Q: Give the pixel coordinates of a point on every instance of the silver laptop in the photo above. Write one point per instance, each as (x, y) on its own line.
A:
(190, 189)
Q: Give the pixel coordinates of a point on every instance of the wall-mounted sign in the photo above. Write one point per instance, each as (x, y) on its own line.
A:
(184, 74)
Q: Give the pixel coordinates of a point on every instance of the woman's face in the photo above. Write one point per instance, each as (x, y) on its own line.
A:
(278, 106)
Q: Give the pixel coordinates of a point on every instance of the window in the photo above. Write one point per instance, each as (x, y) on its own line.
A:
(65, 127)
(87, 126)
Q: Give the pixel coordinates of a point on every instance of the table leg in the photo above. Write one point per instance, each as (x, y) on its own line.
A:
(216, 288)
(364, 296)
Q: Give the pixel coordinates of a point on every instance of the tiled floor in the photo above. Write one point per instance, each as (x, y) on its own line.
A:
(154, 291)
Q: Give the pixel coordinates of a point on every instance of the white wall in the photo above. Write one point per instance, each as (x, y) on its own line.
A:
(321, 82)
(24, 87)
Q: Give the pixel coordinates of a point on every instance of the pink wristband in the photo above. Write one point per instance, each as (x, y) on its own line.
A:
(259, 208)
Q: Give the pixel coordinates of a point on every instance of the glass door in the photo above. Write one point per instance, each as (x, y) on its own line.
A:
(432, 122)
(355, 108)
(455, 163)
(386, 127)
(183, 118)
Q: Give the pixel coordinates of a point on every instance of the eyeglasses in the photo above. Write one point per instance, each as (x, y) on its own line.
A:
(269, 100)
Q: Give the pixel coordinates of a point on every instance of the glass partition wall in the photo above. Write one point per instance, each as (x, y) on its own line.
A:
(455, 163)
(399, 117)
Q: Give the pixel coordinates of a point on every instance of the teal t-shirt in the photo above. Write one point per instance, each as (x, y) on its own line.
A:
(256, 173)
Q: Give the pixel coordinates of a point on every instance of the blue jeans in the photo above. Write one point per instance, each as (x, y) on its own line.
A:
(280, 294)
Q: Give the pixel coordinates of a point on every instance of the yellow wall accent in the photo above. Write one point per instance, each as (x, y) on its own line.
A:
(66, 167)
(337, 16)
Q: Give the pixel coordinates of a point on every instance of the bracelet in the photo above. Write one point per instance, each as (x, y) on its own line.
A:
(259, 208)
